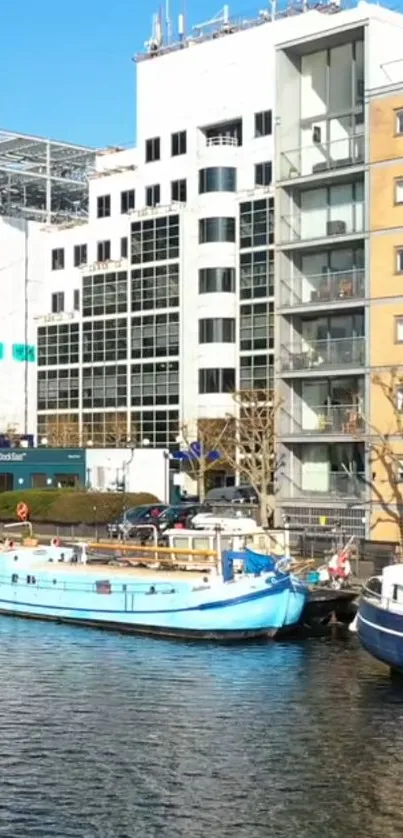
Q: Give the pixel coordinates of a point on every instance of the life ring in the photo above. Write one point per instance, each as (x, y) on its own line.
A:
(55, 541)
(22, 511)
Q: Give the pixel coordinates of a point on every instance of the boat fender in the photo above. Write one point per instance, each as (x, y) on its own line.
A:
(22, 511)
(55, 541)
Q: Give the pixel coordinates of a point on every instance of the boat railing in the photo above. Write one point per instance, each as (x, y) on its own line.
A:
(102, 585)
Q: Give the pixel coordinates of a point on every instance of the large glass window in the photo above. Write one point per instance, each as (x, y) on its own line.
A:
(106, 430)
(256, 327)
(256, 372)
(217, 330)
(104, 293)
(257, 223)
(104, 386)
(221, 280)
(217, 380)
(217, 179)
(156, 287)
(216, 230)
(103, 206)
(58, 344)
(155, 383)
(161, 427)
(257, 274)
(58, 389)
(104, 340)
(155, 239)
(155, 335)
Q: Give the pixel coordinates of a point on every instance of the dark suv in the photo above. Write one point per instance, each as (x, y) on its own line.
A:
(125, 526)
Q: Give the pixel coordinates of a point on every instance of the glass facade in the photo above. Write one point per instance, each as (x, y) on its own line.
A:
(216, 230)
(217, 179)
(105, 293)
(155, 239)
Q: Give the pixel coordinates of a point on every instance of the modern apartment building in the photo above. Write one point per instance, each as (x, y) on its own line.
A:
(339, 157)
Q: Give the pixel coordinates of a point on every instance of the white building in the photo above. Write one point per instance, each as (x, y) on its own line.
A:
(164, 300)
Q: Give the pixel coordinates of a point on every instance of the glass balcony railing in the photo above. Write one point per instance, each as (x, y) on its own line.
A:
(318, 224)
(323, 157)
(334, 484)
(327, 287)
(323, 354)
(323, 419)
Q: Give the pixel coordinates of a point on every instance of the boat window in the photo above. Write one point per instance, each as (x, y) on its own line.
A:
(103, 586)
(14, 579)
(28, 580)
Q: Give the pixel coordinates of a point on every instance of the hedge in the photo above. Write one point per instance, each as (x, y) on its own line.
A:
(69, 506)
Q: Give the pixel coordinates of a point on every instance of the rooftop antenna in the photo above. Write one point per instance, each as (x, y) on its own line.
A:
(168, 23)
(181, 26)
(155, 41)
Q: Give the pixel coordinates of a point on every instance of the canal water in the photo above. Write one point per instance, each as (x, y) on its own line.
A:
(109, 736)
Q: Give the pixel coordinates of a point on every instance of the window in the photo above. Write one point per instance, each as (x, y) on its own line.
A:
(57, 302)
(155, 335)
(59, 390)
(399, 260)
(256, 372)
(124, 247)
(155, 383)
(107, 429)
(256, 274)
(153, 195)
(216, 230)
(263, 174)
(256, 329)
(399, 191)
(178, 190)
(80, 255)
(105, 293)
(156, 287)
(399, 399)
(217, 330)
(76, 299)
(104, 386)
(398, 329)
(103, 251)
(58, 259)
(155, 239)
(216, 380)
(217, 179)
(153, 149)
(127, 200)
(213, 280)
(178, 143)
(257, 223)
(399, 121)
(263, 124)
(58, 344)
(103, 206)
(104, 340)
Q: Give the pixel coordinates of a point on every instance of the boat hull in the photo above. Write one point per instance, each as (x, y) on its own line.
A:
(226, 612)
(380, 632)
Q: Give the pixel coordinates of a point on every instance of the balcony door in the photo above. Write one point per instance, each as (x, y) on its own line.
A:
(314, 401)
(315, 469)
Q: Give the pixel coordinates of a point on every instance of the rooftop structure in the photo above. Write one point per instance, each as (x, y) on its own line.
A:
(42, 179)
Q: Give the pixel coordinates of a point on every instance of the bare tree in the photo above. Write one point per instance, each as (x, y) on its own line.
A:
(386, 449)
(62, 431)
(202, 445)
(250, 449)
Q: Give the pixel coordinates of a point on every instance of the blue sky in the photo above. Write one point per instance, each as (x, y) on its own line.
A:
(66, 69)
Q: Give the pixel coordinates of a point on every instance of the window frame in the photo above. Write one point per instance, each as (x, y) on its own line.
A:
(124, 247)
(103, 206)
(58, 259)
(179, 184)
(266, 118)
(153, 149)
(57, 302)
(152, 190)
(398, 184)
(398, 322)
(78, 250)
(127, 201)
(180, 138)
(263, 167)
(399, 122)
(399, 259)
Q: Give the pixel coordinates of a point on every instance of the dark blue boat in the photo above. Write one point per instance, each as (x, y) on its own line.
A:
(380, 617)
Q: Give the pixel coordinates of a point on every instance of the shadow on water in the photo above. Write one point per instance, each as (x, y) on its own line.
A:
(110, 736)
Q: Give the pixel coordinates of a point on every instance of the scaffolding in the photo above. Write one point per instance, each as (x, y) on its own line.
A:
(44, 180)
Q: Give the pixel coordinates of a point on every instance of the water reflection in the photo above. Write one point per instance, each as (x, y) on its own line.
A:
(107, 735)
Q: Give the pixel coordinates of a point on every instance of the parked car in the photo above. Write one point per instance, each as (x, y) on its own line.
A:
(232, 494)
(124, 526)
(179, 514)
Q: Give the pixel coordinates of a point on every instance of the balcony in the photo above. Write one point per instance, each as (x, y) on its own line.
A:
(321, 289)
(322, 420)
(330, 486)
(318, 355)
(310, 226)
(322, 158)
(222, 139)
